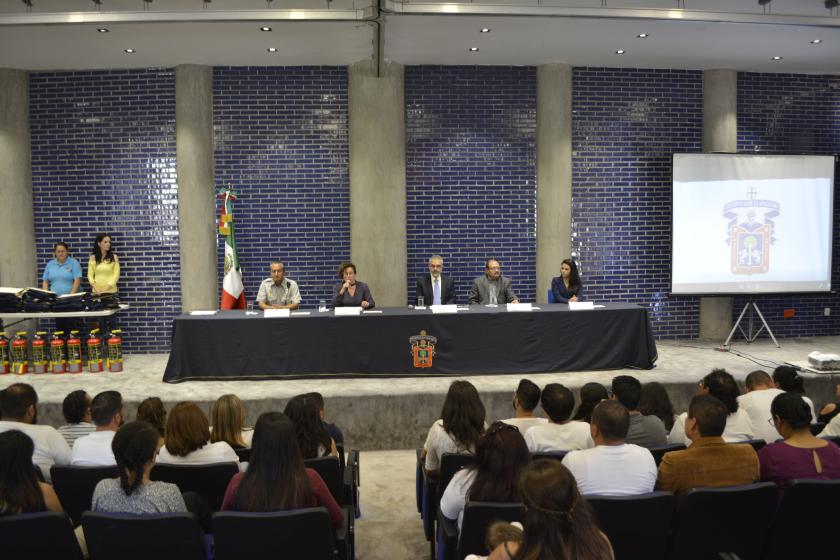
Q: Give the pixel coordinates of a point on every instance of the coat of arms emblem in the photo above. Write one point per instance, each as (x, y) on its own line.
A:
(750, 238)
(422, 349)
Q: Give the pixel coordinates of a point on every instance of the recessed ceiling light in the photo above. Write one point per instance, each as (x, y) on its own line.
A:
(102, 30)
(778, 57)
(816, 41)
(128, 51)
(473, 49)
(271, 49)
(620, 51)
(485, 30)
(642, 35)
(265, 29)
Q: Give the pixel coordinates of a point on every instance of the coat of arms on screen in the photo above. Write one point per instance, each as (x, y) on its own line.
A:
(422, 349)
(751, 231)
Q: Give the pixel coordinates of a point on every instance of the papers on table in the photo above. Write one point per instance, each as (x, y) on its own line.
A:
(452, 308)
(581, 305)
(519, 307)
(296, 313)
(347, 311)
(275, 313)
(203, 312)
(372, 312)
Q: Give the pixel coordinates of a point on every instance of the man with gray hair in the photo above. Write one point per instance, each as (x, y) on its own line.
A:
(435, 287)
(278, 292)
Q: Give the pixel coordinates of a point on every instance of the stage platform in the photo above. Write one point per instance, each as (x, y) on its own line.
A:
(395, 413)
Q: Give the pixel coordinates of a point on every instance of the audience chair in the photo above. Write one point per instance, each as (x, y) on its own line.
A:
(165, 536)
(418, 482)
(733, 519)
(478, 516)
(303, 533)
(817, 427)
(833, 439)
(660, 450)
(757, 444)
(551, 298)
(244, 454)
(330, 471)
(805, 521)
(433, 489)
(637, 526)
(74, 486)
(45, 534)
(209, 481)
(39, 474)
(556, 455)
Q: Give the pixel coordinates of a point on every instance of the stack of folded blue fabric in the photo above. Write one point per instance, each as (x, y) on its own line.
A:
(37, 300)
(99, 302)
(10, 301)
(72, 302)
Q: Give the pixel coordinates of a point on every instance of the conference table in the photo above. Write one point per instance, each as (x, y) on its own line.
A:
(15, 318)
(394, 342)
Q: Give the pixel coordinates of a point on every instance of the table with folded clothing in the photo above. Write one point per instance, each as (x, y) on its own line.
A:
(478, 340)
(33, 303)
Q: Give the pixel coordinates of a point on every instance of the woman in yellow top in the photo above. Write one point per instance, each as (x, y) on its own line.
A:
(104, 273)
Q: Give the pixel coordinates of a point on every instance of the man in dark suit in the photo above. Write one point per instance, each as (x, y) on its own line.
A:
(436, 288)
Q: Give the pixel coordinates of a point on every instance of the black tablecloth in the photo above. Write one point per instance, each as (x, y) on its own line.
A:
(480, 340)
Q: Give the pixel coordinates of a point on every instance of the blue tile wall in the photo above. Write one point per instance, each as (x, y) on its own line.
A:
(282, 142)
(471, 172)
(626, 125)
(103, 159)
(794, 114)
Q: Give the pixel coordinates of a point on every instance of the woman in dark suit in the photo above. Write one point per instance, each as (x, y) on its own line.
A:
(351, 293)
(566, 287)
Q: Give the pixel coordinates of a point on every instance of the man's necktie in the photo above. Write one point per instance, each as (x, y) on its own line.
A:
(436, 299)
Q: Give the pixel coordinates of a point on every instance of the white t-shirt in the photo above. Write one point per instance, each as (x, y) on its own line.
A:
(50, 447)
(525, 424)
(219, 452)
(439, 442)
(454, 498)
(559, 437)
(94, 449)
(613, 470)
(738, 428)
(757, 405)
(832, 429)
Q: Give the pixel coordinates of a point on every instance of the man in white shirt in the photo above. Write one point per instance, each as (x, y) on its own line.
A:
(756, 401)
(612, 467)
(18, 406)
(95, 449)
(525, 400)
(560, 433)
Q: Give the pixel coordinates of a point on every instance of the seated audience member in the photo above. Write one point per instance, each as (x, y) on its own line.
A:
(525, 400)
(332, 429)
(500, 456)
(313, 439)
(830, 410)
(613, 467)
(756, 402)
(229, 422)
(710, 461)
(95, 449)
(20, 490)
(787, 379)
(151, 410)
(647, 431)
(76, 411)
(656, 402)
(590, 395)
(135, 446)
(800, 455)
(18, 408)
(722, 386)
(560, 434)
(558, 523)
(188, 439)
(276, 479)
(459, 427)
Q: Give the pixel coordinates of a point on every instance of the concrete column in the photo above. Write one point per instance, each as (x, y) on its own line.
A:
(554, 172)
(377, 179)
(196, 188)
(720, 134)
(17, 223)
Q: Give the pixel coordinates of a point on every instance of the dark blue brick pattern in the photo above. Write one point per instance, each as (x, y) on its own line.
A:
(103, 159)
(471, 172)
(282, 142)
(627, 123)
(794, 114)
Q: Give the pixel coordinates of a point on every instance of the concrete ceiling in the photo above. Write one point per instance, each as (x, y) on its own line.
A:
(62, 34)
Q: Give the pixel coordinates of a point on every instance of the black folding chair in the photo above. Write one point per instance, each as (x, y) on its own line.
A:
(556, 455)
(209, 481)
(303, 533)
(75, 485)
(165, 536)
(330, 471)
(659, 451)
(478, 516)
(44, 534)
(805, 521)
(637, 526)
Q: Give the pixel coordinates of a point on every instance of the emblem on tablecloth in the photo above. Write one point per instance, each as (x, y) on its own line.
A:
(422, 349)
(750, 239)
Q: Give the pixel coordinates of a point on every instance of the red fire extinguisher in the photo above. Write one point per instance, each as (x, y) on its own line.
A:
(74, 353)
(115, 361)
(39, 353)
(4, 353)
(58, 358)
(94, 348)
(20, 363)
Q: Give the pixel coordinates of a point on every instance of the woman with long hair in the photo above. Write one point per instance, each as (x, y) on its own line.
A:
(459, 427)
(312, 436)
(188, 439)
(228, 419)
(104, 273)
(500, 456)
(656, 402)
(135, 447)
(20, 489)
(721, 385)
(151, 410)
(590, 395)
(788, 380)
(276, 479)
(559, 523)
(567, 286)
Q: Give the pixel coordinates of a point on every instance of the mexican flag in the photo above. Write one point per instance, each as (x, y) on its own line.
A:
(233, 292)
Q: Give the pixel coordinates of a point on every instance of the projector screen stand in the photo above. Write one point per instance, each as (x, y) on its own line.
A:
(751, 305)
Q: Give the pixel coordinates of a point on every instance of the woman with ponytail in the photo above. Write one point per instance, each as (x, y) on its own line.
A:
(559, 523)
(135, 447)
